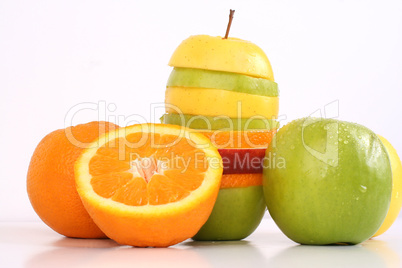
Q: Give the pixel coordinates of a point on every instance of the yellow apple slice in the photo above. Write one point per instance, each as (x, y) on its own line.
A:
(218, 54)
(219, 102)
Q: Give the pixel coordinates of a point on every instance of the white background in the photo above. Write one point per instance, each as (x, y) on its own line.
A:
(55, 55)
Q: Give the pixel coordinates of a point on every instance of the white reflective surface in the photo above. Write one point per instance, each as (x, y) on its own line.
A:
(34, 245)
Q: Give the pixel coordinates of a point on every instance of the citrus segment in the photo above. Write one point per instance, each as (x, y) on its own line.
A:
(133, 193)
(169, 145)
(189, 183)
(140, 178)
(106, 185)
(105, 164)
(141, 144)
(164, 190)
(159, 197)
(241, 180)
(229, 55)
(218, 102)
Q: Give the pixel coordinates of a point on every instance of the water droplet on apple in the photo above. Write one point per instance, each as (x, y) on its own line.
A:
(345, 142)
(292, 147)
(363, 188)
(340, 139)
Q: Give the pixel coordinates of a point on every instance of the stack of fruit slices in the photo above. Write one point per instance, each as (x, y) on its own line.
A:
(225, 89)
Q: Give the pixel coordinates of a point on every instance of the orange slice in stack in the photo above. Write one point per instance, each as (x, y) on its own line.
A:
(240, 139)
(149, 185)
(241, 180)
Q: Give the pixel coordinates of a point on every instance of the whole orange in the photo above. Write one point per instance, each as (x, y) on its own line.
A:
(51, 183)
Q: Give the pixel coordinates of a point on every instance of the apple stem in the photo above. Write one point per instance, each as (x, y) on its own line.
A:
(232, 11)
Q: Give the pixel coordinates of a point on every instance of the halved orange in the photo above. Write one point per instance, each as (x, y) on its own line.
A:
(149, 184)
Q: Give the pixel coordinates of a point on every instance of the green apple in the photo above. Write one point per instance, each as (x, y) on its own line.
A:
(188, 77)
(335, 185)
(236, 214)
(219, 122)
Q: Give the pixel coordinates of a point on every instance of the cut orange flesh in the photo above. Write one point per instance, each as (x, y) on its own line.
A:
(241, 180)
(240, 139)
(149, 185)
(146, 175)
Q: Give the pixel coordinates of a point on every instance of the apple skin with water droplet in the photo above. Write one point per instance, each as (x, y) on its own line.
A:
(335, 186)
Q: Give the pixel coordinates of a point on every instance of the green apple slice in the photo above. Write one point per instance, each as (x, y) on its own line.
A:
(186, 77)
(236, 214)
(219, 122)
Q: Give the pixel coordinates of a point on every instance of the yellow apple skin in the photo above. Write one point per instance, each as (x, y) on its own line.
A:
(396, 199)
(219, 102)
(218, 54)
